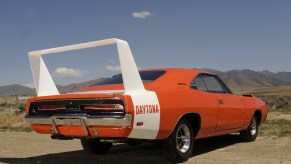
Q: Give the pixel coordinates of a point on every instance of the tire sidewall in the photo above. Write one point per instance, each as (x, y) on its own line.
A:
(247, 135)
(253, 137)
(178, 156)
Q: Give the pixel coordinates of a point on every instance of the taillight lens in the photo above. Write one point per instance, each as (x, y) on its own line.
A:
(110, 108)
(51, 107)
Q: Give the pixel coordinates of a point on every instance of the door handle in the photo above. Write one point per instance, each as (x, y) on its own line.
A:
(220, 101)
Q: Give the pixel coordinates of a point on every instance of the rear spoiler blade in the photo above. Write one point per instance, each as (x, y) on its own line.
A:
(46, 86)
(74, 96)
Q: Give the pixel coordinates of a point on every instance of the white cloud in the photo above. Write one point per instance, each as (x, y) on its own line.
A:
(142, 14)
(113, 68)
(68, 72)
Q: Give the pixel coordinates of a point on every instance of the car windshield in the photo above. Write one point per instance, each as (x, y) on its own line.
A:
(146, 76)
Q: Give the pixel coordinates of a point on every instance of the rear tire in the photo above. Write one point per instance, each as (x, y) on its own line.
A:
(251, 133)
(95, 146)
(179, 146)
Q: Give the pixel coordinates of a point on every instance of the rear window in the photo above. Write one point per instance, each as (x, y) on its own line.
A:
(146, 76)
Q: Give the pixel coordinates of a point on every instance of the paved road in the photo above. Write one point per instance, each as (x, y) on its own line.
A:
(21, 147)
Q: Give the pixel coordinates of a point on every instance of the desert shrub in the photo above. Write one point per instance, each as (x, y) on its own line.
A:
(277, 103)
(18, 112)
(21, 105)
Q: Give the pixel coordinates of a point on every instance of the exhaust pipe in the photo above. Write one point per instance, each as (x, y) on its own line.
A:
(61, 137)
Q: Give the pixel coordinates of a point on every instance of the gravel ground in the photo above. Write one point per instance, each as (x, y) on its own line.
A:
(21, 147)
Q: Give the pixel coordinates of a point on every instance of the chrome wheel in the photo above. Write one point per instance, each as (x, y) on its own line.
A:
(178, 147)
(251, 133)
(183, 137)
(253, 126)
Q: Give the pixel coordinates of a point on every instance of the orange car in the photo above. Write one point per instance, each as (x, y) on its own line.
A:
(175, 106)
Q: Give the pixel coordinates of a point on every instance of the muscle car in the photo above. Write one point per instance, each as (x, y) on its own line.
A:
(170, 105)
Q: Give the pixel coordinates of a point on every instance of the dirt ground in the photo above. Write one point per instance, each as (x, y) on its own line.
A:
(22, 147)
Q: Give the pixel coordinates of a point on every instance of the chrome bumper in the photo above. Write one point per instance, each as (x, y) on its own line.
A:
(83, 120)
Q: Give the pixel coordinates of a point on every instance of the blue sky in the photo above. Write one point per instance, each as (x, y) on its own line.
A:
(221, 35)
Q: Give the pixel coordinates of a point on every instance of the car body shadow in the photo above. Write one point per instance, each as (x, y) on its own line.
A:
(207, 145)
(122, 153)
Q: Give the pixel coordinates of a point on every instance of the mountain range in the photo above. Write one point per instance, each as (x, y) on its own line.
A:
(248, 79)
(253, 79)
(16, 89)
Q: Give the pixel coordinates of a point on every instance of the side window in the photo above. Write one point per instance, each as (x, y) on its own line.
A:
(225, 87)
(198, 83)
(212, 84)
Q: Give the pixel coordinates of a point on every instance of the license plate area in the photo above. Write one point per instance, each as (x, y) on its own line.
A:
(68, 130)
(69, 121)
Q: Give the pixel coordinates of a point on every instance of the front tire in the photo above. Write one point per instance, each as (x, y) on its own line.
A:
(251, 133)
(95, 146)
(179, 146)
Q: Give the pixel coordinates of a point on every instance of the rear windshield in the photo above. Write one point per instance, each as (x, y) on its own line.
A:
(146, 76)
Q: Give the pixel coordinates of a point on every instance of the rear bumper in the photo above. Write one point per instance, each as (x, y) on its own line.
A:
(83, 120)
(81, 125)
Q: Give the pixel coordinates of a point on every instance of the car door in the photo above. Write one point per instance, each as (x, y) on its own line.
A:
(230, 107)
(205, 103)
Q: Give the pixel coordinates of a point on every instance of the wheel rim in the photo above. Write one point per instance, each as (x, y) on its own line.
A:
(183, 137)
(253, 127)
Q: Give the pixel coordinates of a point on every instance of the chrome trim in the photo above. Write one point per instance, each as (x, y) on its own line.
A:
(253, 126)
(83, 120)
(183, 138)
(55, 128)
(84, 126)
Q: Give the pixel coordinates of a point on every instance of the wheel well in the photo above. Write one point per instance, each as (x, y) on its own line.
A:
(258, 115)
(195, 120)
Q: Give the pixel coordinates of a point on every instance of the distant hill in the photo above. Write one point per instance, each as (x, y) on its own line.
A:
(252, 79)
(252, 82)
(20, 90)
(77, 86)
(16, 89)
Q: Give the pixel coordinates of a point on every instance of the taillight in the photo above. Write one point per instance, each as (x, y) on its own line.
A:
(52, 107)
(110, 108)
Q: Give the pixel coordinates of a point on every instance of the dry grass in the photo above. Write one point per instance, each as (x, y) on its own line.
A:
(13, 120)
(11, 117)
(276, 127)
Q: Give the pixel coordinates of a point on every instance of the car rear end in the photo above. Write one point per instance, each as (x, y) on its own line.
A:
(81, 115)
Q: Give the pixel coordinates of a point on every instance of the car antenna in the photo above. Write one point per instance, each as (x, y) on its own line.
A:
(241, 82)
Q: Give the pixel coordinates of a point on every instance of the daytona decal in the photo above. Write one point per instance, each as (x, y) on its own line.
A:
(147, 109)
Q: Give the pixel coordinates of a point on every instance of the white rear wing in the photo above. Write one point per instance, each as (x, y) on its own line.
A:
(46, 86)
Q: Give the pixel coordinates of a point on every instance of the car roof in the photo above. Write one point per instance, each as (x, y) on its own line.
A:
(193, 70)
(174, 76)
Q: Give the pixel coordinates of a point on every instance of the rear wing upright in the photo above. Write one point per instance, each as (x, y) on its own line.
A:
(46, 86)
